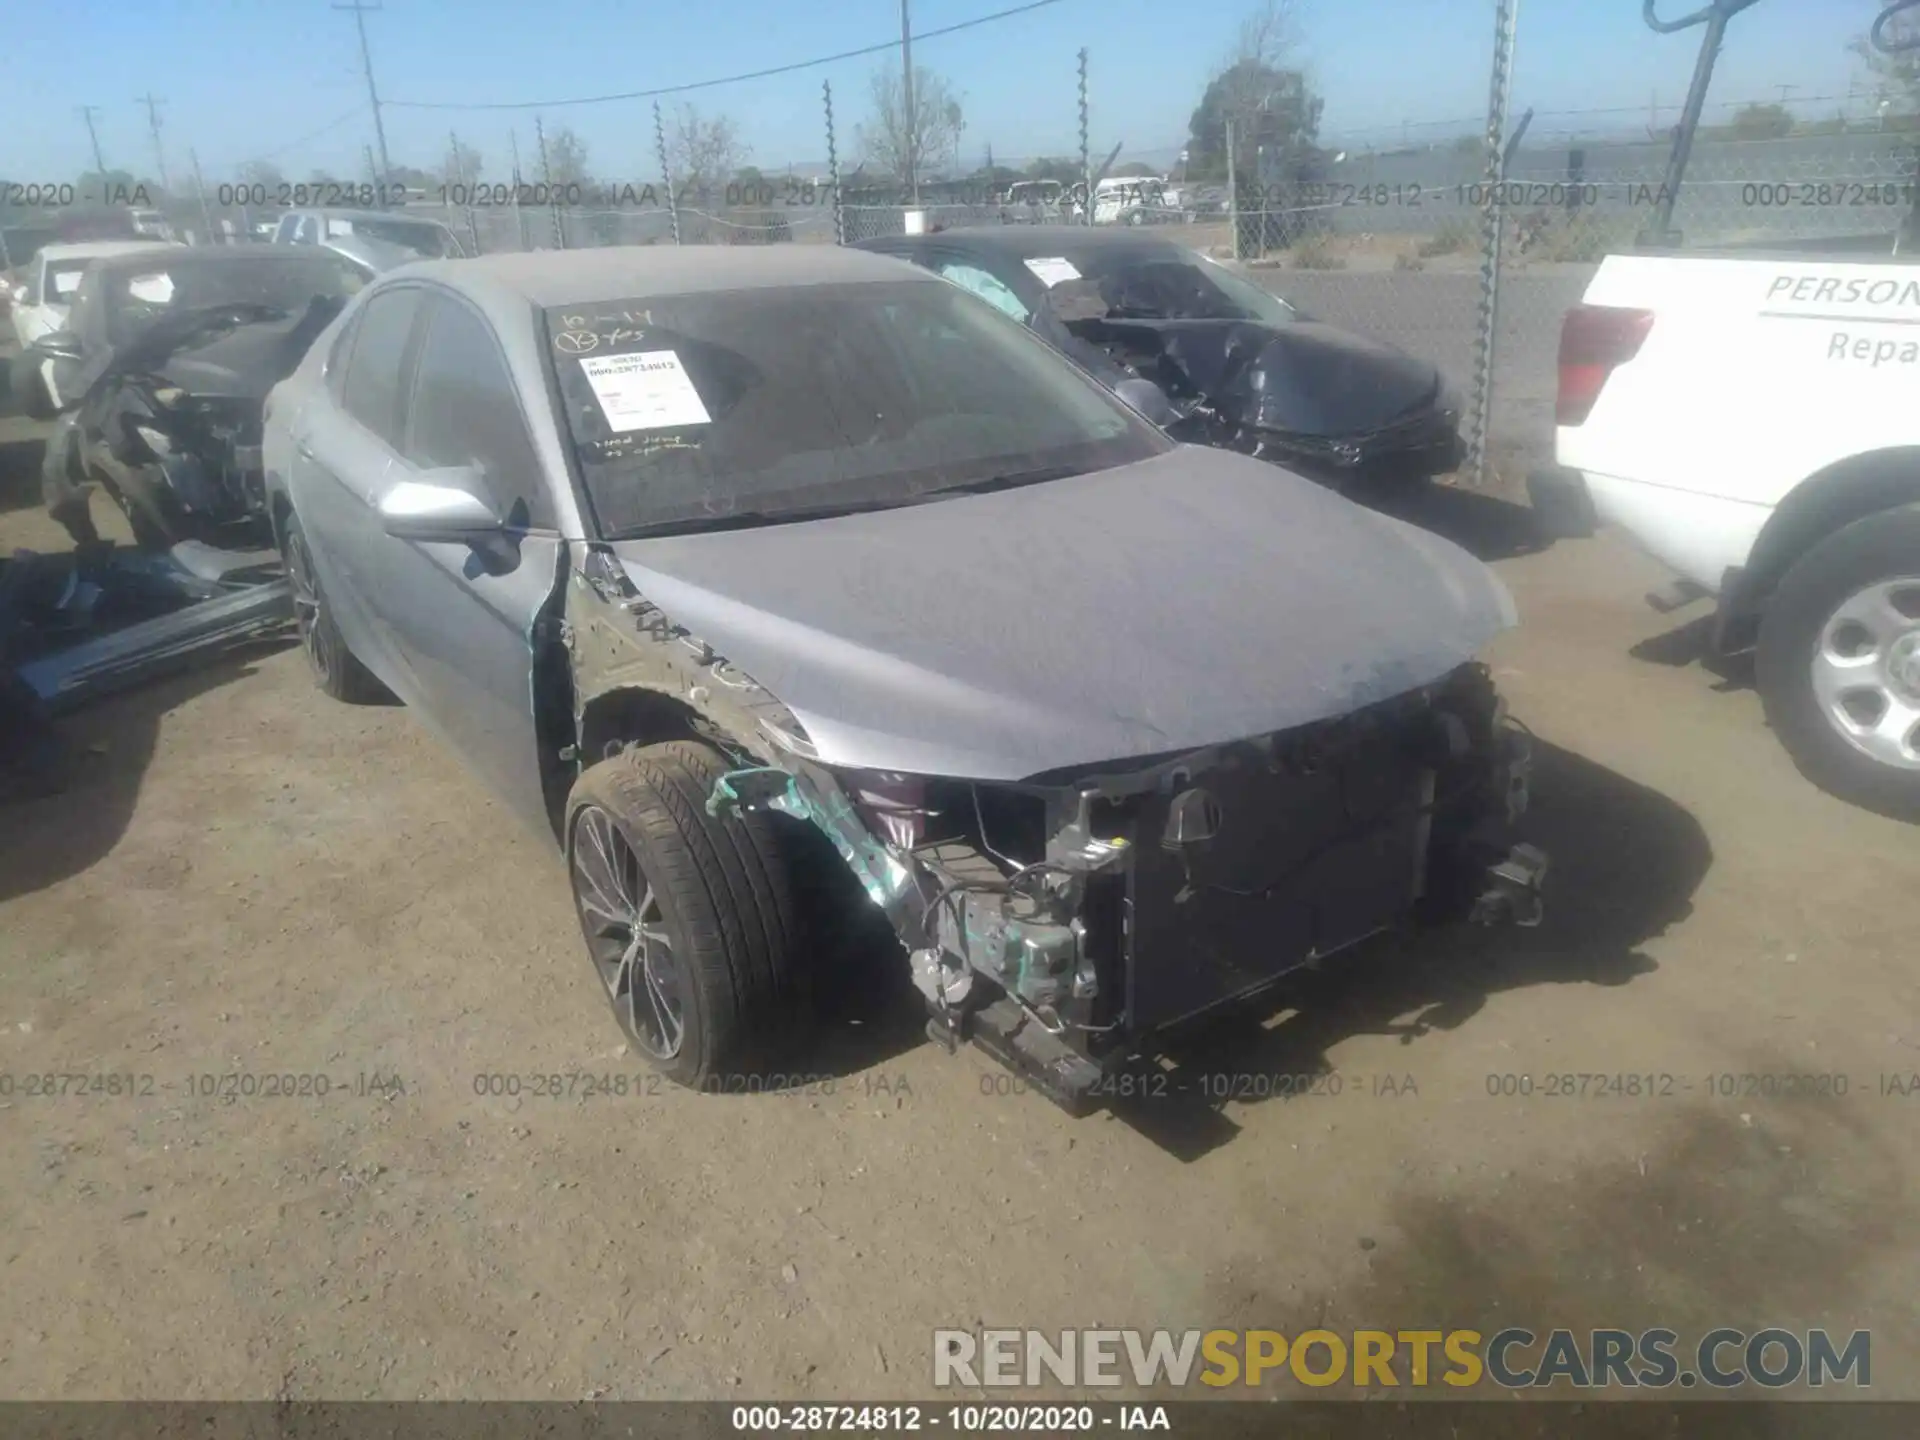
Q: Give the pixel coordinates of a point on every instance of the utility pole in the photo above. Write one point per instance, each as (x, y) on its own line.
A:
(200, 188)
(360, 10)
(87, 112)
(153, 105)
(912, 119)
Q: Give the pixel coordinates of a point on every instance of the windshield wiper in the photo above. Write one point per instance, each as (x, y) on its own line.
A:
(1010, 481)
(753, 519)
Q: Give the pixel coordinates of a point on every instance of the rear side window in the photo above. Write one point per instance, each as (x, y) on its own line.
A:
(466, 411)
(371, 393)
(336, 366)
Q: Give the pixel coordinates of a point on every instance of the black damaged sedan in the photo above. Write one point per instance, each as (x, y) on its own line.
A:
(1205, 353)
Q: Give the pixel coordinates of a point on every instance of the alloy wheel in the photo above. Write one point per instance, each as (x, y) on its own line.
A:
(306, 602)
(627, 935)
(1866, 671)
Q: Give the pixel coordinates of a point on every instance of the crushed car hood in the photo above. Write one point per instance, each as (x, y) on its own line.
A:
(1304, 377)
(1193, 598)
(244, 361)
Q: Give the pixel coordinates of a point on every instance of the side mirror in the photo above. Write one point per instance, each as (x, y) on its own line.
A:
(445, 506)
(59, 345)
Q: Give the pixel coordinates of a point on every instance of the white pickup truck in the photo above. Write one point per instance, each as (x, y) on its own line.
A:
(1753, 422)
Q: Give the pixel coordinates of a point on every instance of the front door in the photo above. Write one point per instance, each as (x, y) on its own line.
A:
(461, 616)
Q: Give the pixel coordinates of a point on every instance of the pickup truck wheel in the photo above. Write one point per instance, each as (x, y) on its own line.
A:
(1839, 663)
(336, 669)
(689, 918)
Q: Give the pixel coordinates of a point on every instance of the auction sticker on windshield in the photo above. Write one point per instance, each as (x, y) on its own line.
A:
(649, 390)
(1052, 269)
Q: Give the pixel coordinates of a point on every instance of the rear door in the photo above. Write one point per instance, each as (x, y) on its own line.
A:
(345, 440)
(461, 616)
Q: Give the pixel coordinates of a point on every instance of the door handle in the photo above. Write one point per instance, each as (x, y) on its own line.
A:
(303, 449)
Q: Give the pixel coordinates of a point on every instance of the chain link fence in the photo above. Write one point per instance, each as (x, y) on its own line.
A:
(1465, 248)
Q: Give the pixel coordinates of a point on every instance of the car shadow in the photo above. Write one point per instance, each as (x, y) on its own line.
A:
(1625, 864)
(1788, 1209)
(1485, 526)
(1691, 643)
(20, 473)
(72, 807)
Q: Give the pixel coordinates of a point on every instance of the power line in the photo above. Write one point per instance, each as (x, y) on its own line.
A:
(726, 79)
(310, 136)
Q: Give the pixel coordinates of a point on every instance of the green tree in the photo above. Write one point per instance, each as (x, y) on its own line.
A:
(462, 164)
(703, 150)
(261, 172)
(115, 187)
(566, 158)
(1268, 104)
(1067, 172)
(1896, 76)
(1761, 122)
(930, 135)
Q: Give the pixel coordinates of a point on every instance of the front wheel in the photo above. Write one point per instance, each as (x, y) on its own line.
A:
(689, 918)
(1839, 663)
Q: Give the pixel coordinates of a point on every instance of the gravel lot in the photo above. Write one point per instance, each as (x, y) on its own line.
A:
(245, 878)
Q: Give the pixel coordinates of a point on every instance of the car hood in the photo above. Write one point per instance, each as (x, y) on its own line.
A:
(1304, 377)
(1193, 598)
(243, 361)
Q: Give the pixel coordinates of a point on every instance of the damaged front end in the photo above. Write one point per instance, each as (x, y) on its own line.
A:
(1066, 924)
(876, 681)
(1330, 405)
(179, 415)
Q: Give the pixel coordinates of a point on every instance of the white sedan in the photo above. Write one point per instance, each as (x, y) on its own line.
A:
(40, 305)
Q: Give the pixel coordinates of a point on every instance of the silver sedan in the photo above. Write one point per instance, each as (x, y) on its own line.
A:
(722, 563)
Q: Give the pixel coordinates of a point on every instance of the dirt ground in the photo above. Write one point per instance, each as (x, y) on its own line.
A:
(244, 878)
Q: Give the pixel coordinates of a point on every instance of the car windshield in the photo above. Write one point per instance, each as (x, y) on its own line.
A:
(136, 296)
(1159, 282)
(759, 406)
(424, 238)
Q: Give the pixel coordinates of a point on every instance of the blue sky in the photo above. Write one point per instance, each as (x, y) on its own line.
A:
(252, 78)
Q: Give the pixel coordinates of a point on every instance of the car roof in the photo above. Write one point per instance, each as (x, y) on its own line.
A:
(622, 272)
(101, 249)
(1023, 241)
(131, 256)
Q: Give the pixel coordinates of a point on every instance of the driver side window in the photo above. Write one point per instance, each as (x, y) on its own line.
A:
(465, 410)
(987, 286)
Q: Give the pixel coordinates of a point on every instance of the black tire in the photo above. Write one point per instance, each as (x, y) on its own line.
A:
(1802, 617)
(722, 898)
(336, 669)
